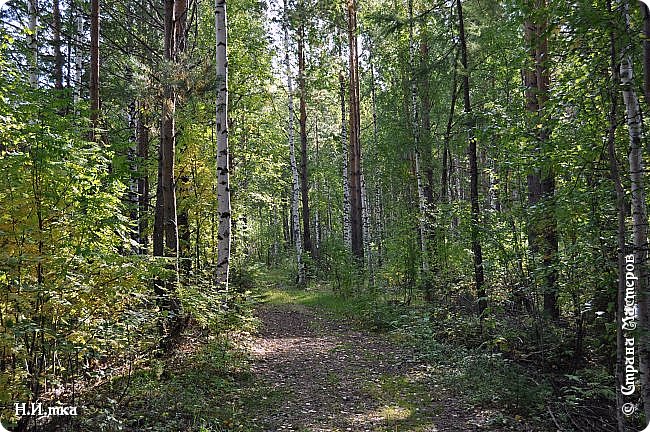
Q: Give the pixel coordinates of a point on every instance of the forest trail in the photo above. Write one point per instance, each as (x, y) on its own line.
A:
(316, 373)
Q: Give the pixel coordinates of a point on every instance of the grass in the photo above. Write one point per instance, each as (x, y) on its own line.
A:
(320, 297)
(195, 391)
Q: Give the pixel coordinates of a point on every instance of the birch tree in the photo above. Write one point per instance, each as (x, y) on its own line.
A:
(223, 179)
(639, 211)
(295, 187)
(347, 229)
(302, 121)
(416, 138)
(354, 149)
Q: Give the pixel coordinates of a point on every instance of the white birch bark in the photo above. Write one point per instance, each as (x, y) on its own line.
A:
(639, 218)
(32, 41)
(347, 227)
(295, 186)
(223, 177)
(365, 212)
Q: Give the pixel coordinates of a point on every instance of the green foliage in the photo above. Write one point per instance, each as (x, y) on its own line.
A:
(341, 267)
(70, 298)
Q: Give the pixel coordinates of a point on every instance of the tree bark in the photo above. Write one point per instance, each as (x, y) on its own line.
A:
(223, 175)
(142, 133)
(354, 150)
(479, 278)
(541, 182)
(639, 213)
(304, 177)
(347, 228)
(295, 188)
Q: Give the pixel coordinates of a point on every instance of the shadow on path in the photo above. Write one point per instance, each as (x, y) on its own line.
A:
(313, 373)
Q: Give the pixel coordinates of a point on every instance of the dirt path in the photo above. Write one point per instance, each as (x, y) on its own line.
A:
(313, 373)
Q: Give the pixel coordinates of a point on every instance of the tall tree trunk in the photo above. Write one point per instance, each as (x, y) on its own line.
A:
(295, 188)
(223, 178)
(304, 178)
(347, 228)
(32, 41)
(143, 179)
(639, 213)
(94, 70)
(166, 222)
(56, 45)
(354, 150)
(168, 143)
(543, 238)
(479, 277)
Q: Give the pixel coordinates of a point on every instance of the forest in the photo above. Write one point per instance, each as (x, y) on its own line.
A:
(313, 215)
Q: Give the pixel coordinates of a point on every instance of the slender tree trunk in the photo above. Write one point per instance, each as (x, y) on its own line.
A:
(56, 45)
(168, 144)
(32, 41)
(295, 189)
(143, 179)
(223, 179)
(347, 228)
(356, 211)
(158, 228)
(304, 178)
(479, 277)
(639, 213)
(94, 70)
